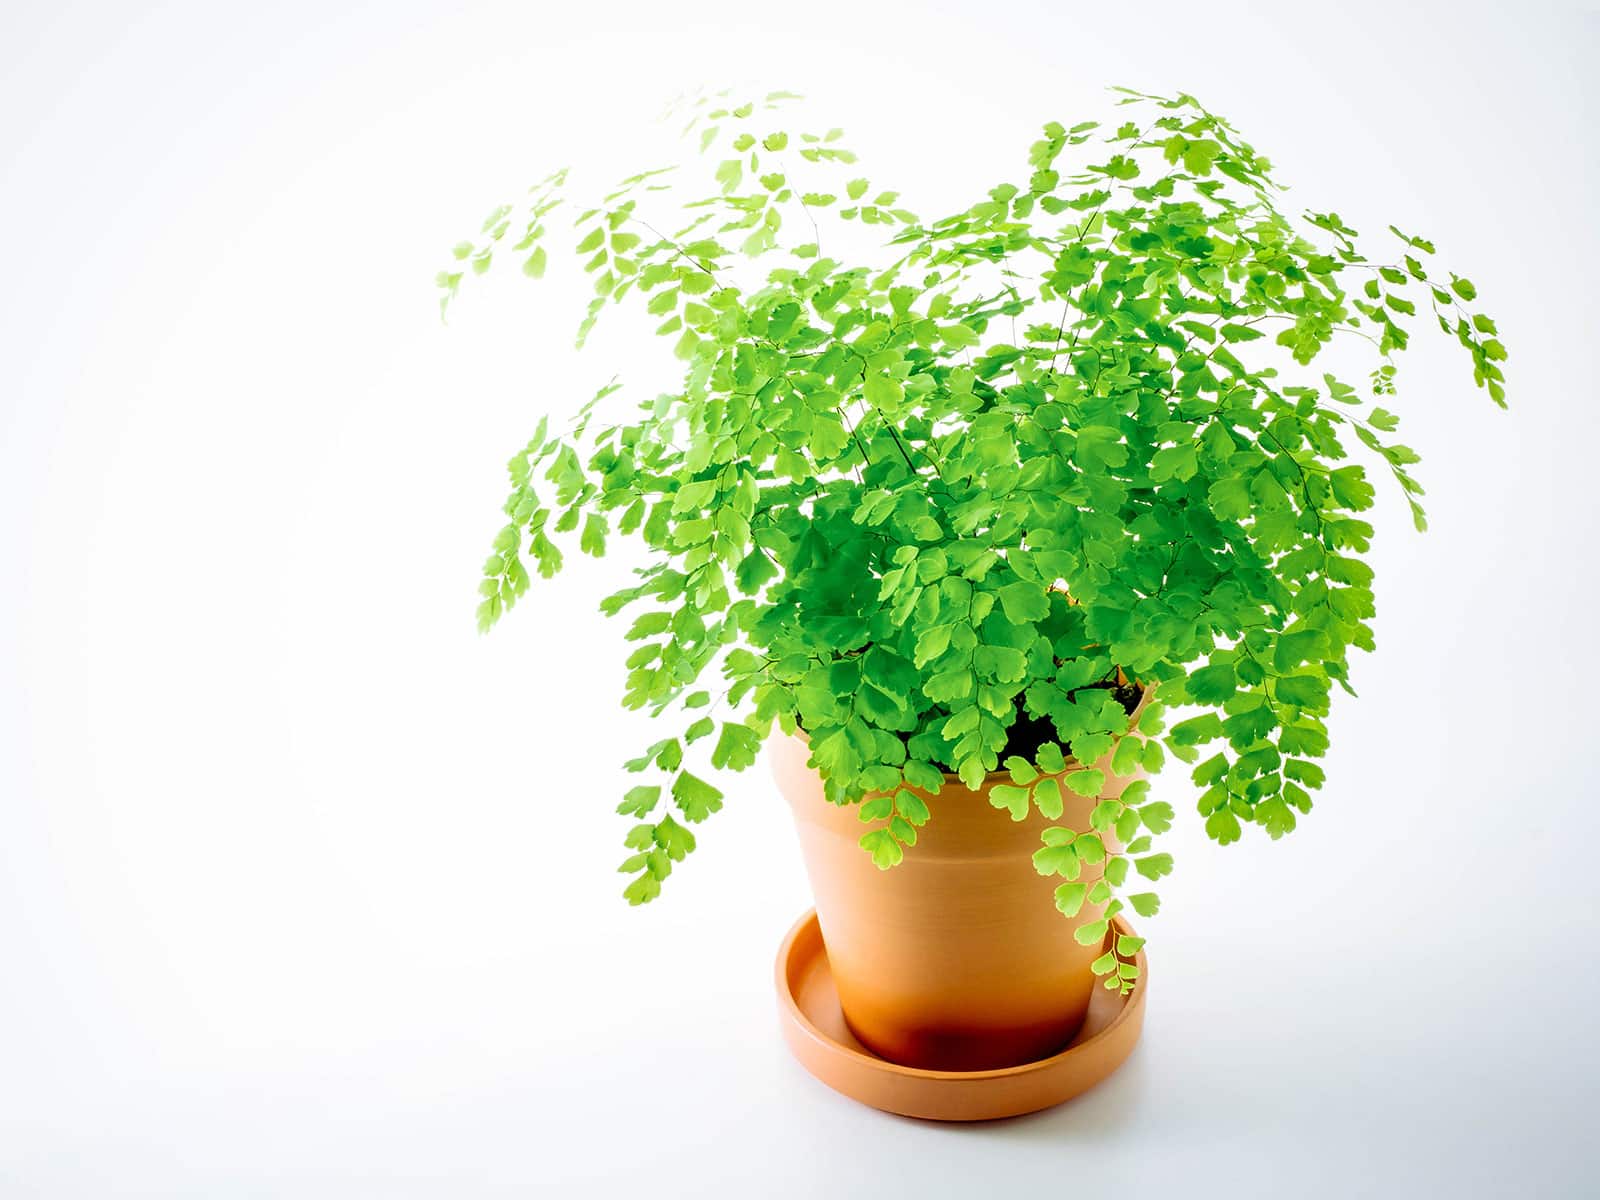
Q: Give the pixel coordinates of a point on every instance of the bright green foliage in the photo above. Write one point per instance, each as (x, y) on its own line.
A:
(1071, 429)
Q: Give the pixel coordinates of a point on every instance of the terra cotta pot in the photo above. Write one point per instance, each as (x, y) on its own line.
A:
(957, 959)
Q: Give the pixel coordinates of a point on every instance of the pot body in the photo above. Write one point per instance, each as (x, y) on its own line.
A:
(956, 959)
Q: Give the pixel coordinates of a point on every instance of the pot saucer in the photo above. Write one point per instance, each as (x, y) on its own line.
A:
(814, 1027)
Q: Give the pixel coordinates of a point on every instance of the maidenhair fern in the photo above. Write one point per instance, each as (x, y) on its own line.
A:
(940, 507)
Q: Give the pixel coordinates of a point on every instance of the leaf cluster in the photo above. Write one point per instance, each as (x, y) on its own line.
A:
(926, 504)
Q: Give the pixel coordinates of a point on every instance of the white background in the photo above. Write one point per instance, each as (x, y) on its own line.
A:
(307, 890)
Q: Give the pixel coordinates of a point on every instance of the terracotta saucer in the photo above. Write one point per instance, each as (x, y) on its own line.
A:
(814, 1027)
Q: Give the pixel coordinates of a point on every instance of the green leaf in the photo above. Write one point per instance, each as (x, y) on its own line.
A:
(1104, 815)
(1001, 662)
(1146, 904)
(957, 683)
(1199, 155)
(640, 837)
(1051, 759)
(1195, 730)
(1156, 816)
(1307, 773)
(1174, 462)
(931, 644)
(1099, 448)
(1116, 871)
(1296, 647)
(1013, 799)
(674, 839)
(1056, 860)
(696, 798)
(1153, 866)
(642, 890)
(1212, 685)
(959, 337)
(640, 800)
(1275, 815)
(876, 808)
(1092, 747)
(658, 864)
(668, 753)
(593, 539)
(885, 851)
(1304, 691)
(911, 806)
(1069, 898)
(1024, 602)
(1021, 770)
(1085, 782)
(1090, 934)
(754, 571)
(736, 748)
(1125, 761)
(883, 391)
(1222, 826)
(1229, 499)
(1047, 798)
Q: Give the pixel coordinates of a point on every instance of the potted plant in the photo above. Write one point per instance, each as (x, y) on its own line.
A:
(947, 512)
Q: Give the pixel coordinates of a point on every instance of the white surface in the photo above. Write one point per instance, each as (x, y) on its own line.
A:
(305, 890)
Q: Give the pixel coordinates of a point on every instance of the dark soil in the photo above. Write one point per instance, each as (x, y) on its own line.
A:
(1029, 733)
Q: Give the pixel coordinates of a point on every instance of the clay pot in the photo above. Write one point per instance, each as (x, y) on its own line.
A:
(957, 959)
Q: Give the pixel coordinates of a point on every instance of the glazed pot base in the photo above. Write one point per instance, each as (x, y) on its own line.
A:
(815, 1029)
